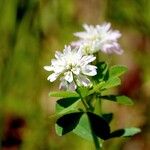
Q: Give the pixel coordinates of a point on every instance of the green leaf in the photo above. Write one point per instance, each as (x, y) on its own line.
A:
(102, 72)
(131, 131)
(83, 90)
(117, 70)
(121, 99)
(108, 117)
(127, 132)
(96, 88)
(66, 102)
(62, 108)
(83, 128)
(112, 82)
(63, 94)
(99, 126)
(67, 123)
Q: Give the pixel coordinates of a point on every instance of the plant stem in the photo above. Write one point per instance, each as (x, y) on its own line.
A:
(85, 104)
(95, 138)
(96, 141)
(87, 107)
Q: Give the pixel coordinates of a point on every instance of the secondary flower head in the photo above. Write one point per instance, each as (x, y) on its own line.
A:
(99, 37)
(72, 67)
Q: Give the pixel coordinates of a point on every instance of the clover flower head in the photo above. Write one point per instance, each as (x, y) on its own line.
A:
(72, 67)
(99, 37)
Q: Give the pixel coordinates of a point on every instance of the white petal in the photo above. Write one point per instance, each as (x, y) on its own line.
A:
(106, 26)
(67, 50)
(68, 76)
(89, 70)
(76, 70)
(87, 59)
(63, 85)
(76, 43)
(52, 77)
(48, 68)
(84, 80)
(72, 86)
(86, 27)
(114, 35)
(58, 54)
(112, 48)
(82, 35)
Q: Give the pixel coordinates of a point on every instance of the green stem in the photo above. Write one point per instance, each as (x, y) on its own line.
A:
(87, 107)
(95, 138)
(96, 141)
(99, 105)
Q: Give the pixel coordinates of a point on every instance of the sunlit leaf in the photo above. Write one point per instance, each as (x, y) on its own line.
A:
(117, 70)
(83, 128)
(112, 82)
(96, 88)
(84, 91)
(127, 132)
(64, 94)
(120, 99)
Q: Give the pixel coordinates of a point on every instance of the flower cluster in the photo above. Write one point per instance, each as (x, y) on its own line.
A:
(73, 66)
(98, 38)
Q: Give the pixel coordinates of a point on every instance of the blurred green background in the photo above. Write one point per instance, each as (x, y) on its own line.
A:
(30, 32)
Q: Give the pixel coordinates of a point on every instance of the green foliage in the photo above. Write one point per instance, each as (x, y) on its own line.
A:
(66, 102)
(99, 126)
(83, 128)
(30, 29)
(120, 99)
(117, 70)
(88, 124)
(64, 94)
(70, 106)
(83, 91)
(127, 132)
(111, 82)
(102, 72)
(67, 122)
(108, 117)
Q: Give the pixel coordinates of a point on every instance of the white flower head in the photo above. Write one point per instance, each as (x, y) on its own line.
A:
(99, 37)
(72, 67)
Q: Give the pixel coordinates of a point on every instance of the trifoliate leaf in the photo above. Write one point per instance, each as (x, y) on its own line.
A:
(67, 123)
(70, 106)
(66, 102)
(83, 128)
(99, 126)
